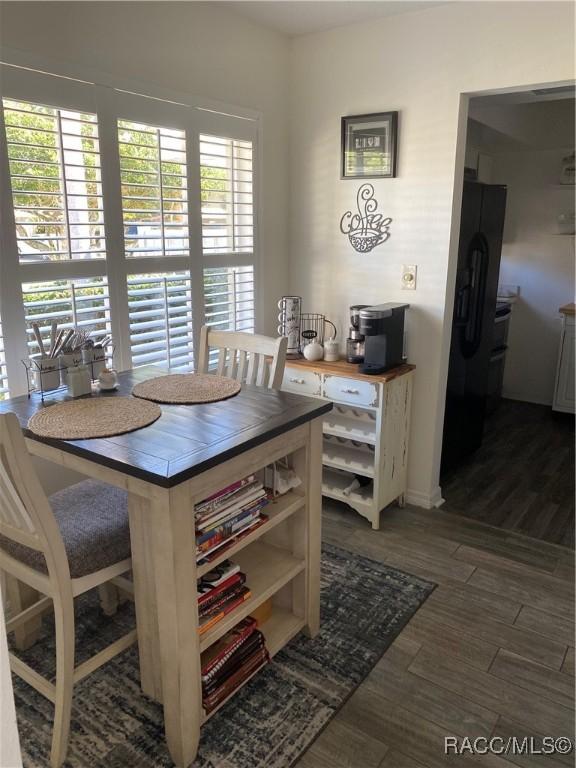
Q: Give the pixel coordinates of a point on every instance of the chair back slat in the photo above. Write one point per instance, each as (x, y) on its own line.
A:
(242, 364)
(233, 364)
(247, 357)
(253, 368)
(25, 512)
(263, 372)
(221, 361)
(12, 511)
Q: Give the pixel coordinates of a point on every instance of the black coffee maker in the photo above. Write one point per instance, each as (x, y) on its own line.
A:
(383, 328)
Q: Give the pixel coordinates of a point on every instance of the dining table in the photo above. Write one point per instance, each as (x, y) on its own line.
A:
(190, 453)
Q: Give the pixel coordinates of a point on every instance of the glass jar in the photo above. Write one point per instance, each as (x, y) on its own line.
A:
(355, 350)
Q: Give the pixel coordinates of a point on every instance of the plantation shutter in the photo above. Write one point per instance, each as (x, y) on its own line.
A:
(54, 159)
(155, 219)
(227, 192)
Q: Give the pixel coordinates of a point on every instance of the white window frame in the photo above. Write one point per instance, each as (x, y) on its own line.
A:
(25, 78)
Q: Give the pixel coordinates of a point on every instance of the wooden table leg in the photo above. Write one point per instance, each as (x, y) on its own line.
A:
(165, 543)
(308, 530)
(139, 511)
(22, 596)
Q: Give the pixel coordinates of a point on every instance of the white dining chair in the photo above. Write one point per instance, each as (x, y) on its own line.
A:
(247, 357)
(60, 546)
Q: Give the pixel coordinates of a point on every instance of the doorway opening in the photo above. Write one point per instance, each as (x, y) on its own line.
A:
(508, 442)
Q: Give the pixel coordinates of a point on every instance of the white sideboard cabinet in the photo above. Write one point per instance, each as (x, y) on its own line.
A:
(365, 436)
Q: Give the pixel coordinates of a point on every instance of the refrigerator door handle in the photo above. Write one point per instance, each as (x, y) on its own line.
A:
(462, 306)
(478, 268)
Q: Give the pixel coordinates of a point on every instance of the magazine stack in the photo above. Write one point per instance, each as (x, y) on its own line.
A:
(223, 518)
(227, 664)
(219, 592)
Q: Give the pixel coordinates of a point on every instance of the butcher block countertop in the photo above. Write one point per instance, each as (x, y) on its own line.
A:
(350, 370)
(568, 309)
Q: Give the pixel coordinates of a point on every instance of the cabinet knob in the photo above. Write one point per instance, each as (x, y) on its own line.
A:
(349, 391)
(297, 381)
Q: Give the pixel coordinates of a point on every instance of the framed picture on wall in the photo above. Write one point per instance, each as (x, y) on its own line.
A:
(369, 146)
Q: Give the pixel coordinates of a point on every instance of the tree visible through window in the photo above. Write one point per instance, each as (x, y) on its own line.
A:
(54, 158)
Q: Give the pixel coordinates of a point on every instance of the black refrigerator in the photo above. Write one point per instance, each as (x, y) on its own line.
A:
(480, 245)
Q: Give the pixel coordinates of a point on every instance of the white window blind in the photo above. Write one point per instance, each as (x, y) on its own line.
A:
(160, 308)
(226, 180)
(71, 303)
(229, 298)
(54, 158)
(154, 190)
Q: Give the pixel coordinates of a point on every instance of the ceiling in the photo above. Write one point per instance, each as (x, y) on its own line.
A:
(301, 17)
(540, 94)
(508, 126)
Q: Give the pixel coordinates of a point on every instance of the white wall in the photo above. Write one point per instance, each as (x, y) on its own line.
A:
(196, 48)
(418, 63)
(541, 264)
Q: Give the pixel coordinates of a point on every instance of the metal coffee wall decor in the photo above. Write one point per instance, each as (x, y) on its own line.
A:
(365, 229)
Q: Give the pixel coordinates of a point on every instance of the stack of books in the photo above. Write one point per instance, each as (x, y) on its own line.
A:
(223, 518)
(231, 661)
(220, 592)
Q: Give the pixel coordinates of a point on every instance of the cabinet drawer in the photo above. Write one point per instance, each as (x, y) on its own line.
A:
(302, 382)
(351, 391)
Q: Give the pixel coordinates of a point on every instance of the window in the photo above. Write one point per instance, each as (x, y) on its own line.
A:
(227, 195)
(54, 158)
(154, 190)
(160, 308)
(135, 217)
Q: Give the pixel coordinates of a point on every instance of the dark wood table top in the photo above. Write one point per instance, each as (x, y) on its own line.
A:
(187, 439)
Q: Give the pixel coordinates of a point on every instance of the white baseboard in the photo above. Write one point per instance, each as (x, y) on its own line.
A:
(425, 500)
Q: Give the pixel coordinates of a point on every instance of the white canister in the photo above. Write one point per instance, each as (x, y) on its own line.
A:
(69, 360)
(331, 351)
(95, 359)
(79, 381)
(46, 373)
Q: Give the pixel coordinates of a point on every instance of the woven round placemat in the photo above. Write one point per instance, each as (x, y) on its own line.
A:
(93, 417)
(187, 388)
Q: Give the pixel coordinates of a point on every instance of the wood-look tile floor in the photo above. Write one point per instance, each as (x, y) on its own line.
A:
(522, 477)
(490, 653)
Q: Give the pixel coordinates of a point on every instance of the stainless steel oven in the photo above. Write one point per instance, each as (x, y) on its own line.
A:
(498, 355)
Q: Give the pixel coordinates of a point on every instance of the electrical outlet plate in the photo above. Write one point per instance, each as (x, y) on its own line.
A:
(409, 277)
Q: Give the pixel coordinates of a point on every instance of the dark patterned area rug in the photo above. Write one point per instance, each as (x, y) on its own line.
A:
(270, 722)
